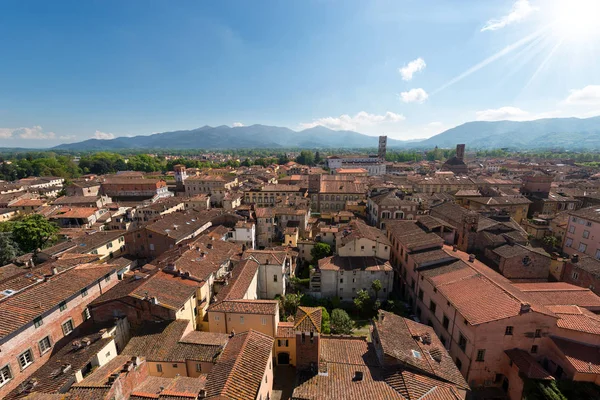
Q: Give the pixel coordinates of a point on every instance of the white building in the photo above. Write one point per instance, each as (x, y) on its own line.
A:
(372, 164)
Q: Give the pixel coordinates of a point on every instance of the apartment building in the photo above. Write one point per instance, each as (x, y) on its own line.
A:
(583, 233)
(516, 206)
(104, 244)
(217, 186)
(343, 277)
(273, 273)
(481, 317)
(388, 206)
(357, 239)
(140, 188)
(40, 319)
(270, 195)
(583, 271)
(331, 193)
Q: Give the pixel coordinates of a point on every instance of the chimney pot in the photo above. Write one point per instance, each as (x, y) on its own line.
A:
(454, 248)
(471, 257)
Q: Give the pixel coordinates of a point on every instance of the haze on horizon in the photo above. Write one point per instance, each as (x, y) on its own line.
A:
(408, 69)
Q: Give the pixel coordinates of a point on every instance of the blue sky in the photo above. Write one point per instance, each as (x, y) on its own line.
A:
(72, 70)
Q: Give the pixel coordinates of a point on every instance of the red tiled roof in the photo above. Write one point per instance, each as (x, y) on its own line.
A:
(527, 365)
(238, 373)
(171, 291)
(308, 319)
(246, 306)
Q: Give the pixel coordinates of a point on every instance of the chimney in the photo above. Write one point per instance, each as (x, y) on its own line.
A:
(54, 271)
(381, 316)
(525, 308)
(575, 258)
(358, 376)
(455, 248)
(471, 257)
(66, 368)
(232, 334)
(209, 246)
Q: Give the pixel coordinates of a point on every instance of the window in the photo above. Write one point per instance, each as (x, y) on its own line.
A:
(582, 247)
(509, 330)
(445, 322)
(217, 317)
(107, 277)
(151, 245)
(175, 365)
(25, 359)
(462, 342)
(480, 355)
(63, 306)
(569, 242)
(575, 275)
(571, 229)
(67, 327)
(586, 234)
(421, 294)
(303, 337)
(538, 333)
(432, 306)
(274, 278)
(86, 314)
(534, 349)
(458, 363)
(5, 375)
(341, 280)
(362, 248)
(158, 367)
(241, 319)
(84, 292)
(198, 367)
(38, 321)
(263, 320)
(44, 344)
(598, 254)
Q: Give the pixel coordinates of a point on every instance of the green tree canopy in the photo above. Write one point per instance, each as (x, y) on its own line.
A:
(362, 301)
(320, 250)
(341, 322)
(376, 286)
(9, 249)
(33, 232)
(306, 157)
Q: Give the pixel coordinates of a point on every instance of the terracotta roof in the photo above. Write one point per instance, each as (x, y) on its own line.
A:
(238, 373)
(180, 225)
(130, 282)
(577, 319)
(180, 387)
(390, 199)
(528, 365)
(242, 275)
(336, 263)
(170, 290)
(590, 213)
(412, 235)
(267, 256)
(358, 230)
(560, 293)
(50, 376)
(74, 212)
(584, 358)
(308, 319)
(401, 337)
(21, 308)
(286, 330)
(163, 341)
(247, 306)
(201, 258)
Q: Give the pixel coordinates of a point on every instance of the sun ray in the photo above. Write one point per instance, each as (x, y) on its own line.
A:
(506, 50)
(542, 65)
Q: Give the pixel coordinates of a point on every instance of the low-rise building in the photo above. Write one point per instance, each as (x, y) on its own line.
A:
(357, 239)
(583, 233)
(343, 277)
(388, 206)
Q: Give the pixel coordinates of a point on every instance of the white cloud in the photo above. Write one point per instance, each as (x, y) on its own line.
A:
(503, 113)
(361, 119)
(520, 10)
(411, 68)
(103, 135)
(35, 132)
(67, 137)
(435, 124)
(6, 133)
(414, 96)
(589, 95)
(237, 124)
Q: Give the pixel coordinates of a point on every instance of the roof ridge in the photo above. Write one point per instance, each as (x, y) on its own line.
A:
(237, 359)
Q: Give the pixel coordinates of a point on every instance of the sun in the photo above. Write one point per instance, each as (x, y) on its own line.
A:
(576, 20)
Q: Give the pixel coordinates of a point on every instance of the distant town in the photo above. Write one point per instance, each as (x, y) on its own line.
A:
(300, 274)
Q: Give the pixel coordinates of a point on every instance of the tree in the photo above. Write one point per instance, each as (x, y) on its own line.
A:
(33, 232)
(290, 303)
(318, 158)
(325, 321)
(341, 322)
(551, 241)
(376, 286)
(362, 300)
(320, 250)
(306, 158)
(9, 250)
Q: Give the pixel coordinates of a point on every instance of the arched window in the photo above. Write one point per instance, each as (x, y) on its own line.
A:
(398, 215)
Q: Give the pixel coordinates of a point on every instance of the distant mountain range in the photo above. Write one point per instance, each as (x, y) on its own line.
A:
(566, 133)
